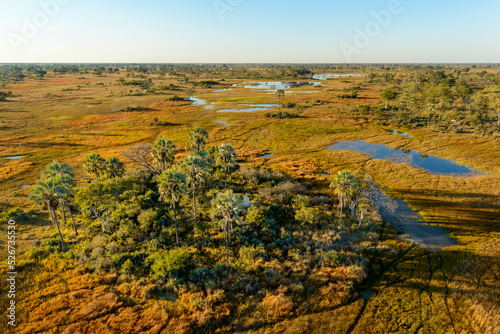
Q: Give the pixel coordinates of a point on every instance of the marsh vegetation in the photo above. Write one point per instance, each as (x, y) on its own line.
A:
(130, 189)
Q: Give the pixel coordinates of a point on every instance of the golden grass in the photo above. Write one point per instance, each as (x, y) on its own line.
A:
(456, 290)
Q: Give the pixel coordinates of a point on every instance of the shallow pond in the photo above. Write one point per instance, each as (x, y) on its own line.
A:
(197, 101)
(15, 157)
(404, 134)
(399, 214)
(221, 90)
(255, 107)
(200, 102)
(221, 122)
(275, 85)
(267, 155)
(329, 76)
(430, 163)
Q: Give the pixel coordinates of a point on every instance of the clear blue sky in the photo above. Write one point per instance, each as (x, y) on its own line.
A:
(254, 31)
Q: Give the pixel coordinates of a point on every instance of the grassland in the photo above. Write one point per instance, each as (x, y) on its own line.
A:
(66, 117)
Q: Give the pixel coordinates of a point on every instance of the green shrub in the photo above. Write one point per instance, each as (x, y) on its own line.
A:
(353, 95)
(307, 215)
(334, 257)
(177, 98)
(202, 274)
(249, 257)
(170, 264)
(16, 214)
(255, 215)
(127, 267)
(146, 220)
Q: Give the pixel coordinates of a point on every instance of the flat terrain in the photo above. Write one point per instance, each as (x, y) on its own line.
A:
(455, 288)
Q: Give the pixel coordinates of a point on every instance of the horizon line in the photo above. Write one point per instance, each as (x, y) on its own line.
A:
(241, 63)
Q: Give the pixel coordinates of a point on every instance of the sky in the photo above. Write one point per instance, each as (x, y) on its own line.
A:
(249, 31)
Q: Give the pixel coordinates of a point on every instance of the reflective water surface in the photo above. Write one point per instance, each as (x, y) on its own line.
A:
(428, 162)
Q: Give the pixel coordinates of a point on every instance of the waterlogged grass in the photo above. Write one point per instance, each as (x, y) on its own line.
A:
(453, 291)
(240, 99)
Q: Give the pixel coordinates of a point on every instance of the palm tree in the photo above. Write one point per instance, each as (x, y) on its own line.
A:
(212, 151)
(195, 167)
(412, 105)
(429, 110)
(206, 163)
(47, 192)
(197, 139)
(94, 164)
(56, 168)
(343, 183)
(172, 185)
(280, 93)
(227, 207)
(364, 205)
(226, 158)
(163, 152)
(497, 108)
(114, 168)
(402, 105)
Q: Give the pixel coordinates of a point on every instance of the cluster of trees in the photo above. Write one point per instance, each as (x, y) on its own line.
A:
(280, 94)
(202, 176)
(53, 191)
(4, 96)
(354, 191)
(174, 181)
(185, 72)
(180, 223)
(456, 99)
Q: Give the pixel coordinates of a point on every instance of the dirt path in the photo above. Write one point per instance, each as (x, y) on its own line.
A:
(399, 214)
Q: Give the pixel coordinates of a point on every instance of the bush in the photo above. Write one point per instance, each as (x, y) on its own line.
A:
(206, 83)
(16, 214)
(254, 175)
(249, 257)
(170, 264)
(283, 115)
(255, 215)
(146, 220)
(202, 274)
(98, 259)
(177, 98)
(283, 192)
(334, 257)
(363, 110)
(138, 108)
(353, 95)
(128, 229)
(307, 216)
(127, 267)
(277, 306)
